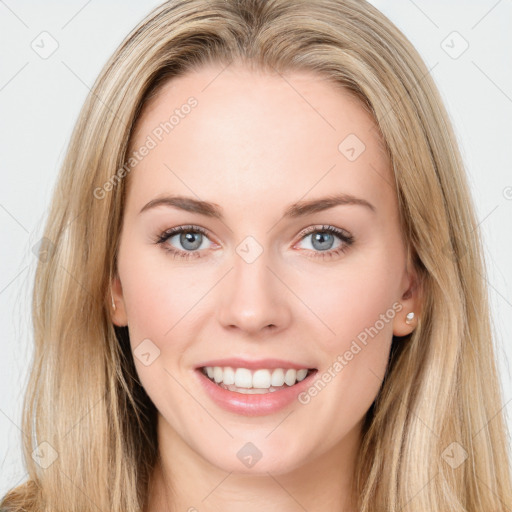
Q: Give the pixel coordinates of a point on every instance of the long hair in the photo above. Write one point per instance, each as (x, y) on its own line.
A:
(434, 438)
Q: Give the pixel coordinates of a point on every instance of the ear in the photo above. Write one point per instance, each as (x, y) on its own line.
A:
(411, 300)
(118, 314)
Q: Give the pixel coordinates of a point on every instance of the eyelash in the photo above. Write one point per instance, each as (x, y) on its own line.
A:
(344, 236)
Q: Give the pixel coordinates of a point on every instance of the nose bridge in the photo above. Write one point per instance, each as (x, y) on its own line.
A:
(252, 297)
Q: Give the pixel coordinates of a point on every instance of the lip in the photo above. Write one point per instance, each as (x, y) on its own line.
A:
(257, 404)
(255, 364)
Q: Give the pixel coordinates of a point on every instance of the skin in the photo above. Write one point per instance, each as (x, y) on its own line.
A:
(255, 144)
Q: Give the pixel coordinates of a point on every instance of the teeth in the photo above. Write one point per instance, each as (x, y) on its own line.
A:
(261, 379)
(229, 376)
(217, 374)
(243, 378)
(290, 377)
(301, 374)
(277, 377)
(258, 379)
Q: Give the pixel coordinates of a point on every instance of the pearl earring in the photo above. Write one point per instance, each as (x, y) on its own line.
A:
(409, 317)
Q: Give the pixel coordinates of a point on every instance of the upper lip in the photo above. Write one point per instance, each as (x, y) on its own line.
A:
(255, 364)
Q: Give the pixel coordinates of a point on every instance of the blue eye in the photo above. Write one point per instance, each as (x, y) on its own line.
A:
(323, 239)
(191, 238)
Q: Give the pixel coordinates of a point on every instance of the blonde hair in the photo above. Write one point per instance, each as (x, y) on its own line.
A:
(442, 387)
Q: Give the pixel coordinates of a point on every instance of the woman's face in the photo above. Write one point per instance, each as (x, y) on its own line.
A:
(298, 264)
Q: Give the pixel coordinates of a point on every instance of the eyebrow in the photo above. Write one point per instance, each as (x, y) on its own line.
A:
(295, 210)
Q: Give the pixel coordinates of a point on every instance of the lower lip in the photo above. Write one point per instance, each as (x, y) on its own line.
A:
(256, 404)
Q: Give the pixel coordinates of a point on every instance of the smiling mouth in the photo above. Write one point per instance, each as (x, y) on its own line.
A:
(253, 382)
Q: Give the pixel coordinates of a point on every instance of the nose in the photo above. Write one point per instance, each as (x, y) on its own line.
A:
(253, 299)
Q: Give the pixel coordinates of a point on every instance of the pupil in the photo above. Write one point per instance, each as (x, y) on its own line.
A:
(321, 237)
(188, 238)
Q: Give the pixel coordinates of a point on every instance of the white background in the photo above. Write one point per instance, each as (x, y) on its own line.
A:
(40, 100)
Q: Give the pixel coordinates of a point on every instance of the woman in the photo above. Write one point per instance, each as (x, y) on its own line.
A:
(264, 286)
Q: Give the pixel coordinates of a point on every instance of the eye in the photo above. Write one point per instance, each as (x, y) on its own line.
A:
(191, 238)
(324, 237)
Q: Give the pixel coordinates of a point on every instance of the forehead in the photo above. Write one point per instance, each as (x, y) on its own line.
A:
(252, 133)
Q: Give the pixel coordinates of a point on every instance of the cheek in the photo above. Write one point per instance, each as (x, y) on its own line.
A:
(157, 292)
(146, 311)
(357, 305)
(352, 298)
(156, 305)
(358, 309)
